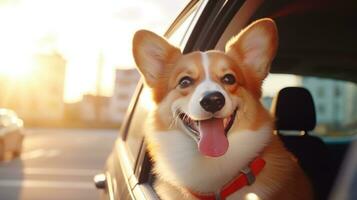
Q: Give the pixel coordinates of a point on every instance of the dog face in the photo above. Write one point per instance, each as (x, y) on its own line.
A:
(206, 94)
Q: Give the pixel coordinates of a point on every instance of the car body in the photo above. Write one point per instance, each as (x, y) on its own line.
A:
(317, 39)
(11, 134)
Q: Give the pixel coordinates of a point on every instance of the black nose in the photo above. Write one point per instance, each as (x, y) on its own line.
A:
(213, 102)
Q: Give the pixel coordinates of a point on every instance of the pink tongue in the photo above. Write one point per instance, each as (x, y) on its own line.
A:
(213, 142)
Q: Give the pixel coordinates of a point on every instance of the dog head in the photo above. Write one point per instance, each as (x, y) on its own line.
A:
(206, 94)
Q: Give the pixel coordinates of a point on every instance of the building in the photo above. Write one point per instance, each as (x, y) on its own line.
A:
(94, 108)
(125, 84)
(335, 101)
(39, 94)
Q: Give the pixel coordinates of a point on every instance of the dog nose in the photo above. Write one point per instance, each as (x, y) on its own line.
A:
(213, 102)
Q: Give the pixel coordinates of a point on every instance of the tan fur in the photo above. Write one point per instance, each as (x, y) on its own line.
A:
(179, 165)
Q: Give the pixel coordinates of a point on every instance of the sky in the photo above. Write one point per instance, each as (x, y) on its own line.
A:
(82, 31)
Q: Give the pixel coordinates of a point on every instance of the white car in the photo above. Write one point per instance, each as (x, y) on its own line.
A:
(11, 134)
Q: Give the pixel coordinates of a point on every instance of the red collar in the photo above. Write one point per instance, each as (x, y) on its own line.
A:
(245, 177)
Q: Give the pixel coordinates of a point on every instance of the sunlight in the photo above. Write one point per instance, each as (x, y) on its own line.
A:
(79, 81)
(17, 48)
(147, 95)
(16, 66)
(32, 25)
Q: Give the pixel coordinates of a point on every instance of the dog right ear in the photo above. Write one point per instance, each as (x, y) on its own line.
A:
(153, 55)
(255, 46)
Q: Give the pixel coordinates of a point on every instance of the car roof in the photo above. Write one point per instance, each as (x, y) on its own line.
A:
(317, 38)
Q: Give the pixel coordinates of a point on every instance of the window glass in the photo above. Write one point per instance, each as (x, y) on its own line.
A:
(178, 36)
(335, 101)
(137, 125)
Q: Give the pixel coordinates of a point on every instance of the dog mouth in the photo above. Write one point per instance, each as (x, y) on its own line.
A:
(210, 134)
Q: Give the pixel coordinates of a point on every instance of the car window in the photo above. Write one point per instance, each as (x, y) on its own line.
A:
(335, 101)
(178, 37)
(137, 125)
(181, 34)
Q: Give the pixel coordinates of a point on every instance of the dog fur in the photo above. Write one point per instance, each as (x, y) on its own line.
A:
(179, 165)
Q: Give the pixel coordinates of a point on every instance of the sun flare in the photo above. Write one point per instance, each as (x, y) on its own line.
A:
(32, 25)
(16, 67)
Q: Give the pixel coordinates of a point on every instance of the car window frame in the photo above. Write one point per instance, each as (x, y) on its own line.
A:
(212, 32)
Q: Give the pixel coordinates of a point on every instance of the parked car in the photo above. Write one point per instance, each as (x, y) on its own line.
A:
(317, 51)
(11, 134)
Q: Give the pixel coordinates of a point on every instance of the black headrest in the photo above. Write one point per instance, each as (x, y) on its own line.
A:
(294, 109)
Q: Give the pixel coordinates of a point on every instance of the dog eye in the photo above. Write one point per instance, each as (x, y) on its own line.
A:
(228, 79)
(185, 82)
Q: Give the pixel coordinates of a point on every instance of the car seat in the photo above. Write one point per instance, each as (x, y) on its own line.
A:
(294, 110)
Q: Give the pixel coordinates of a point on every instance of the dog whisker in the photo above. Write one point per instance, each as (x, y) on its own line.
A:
(175, 119)
(174, 122)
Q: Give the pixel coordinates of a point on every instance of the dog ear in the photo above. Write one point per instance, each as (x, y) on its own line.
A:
(153, 55)
(255, 46)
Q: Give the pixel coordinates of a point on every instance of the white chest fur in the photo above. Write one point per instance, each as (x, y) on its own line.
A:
(179, 162)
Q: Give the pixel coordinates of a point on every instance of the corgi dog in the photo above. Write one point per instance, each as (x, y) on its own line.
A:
(209, 135)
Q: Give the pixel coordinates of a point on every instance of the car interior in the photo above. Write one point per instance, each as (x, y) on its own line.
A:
(317, 39)
(294, 110)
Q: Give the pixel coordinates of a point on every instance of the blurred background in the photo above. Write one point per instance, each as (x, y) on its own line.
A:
(66, 79)
(64, 63)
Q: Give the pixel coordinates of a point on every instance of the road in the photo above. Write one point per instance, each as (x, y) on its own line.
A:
(56, 165)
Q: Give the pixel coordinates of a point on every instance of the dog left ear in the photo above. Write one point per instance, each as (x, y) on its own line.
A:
(153, 55)
(255, 46)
